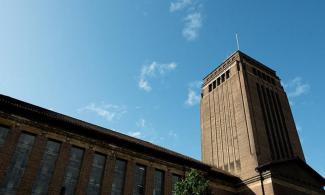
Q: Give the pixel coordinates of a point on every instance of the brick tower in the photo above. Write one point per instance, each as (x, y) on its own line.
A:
(246, 120)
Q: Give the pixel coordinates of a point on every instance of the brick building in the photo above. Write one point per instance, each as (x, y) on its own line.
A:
(249, 145)
(247, 125)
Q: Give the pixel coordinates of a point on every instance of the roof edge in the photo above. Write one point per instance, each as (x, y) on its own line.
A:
(298, 160)
(21, 108)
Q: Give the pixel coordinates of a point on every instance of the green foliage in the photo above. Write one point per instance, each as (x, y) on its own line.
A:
(193, 184)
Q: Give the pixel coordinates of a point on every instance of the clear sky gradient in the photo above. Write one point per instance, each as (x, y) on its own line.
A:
(136, 66)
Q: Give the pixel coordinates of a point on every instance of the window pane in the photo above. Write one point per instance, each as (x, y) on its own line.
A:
(18, 164)
(72, 171)
(46, 169)
(3, 134)
(118, 177)
(175, 179)
(139, 180)
(159, 183)
(96, 174)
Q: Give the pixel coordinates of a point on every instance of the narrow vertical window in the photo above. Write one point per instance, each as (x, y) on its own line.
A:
(96, 174)
(139, 180)
(159, 183)
(18, 164)
(263, 76)
(210, 87)
(118, 177)
(175, 179)
(214, 84)
(72, 171)
(222, 78)
(46, 168)
(227, 74)
(218, 81)
(259, 74)
(3, 134)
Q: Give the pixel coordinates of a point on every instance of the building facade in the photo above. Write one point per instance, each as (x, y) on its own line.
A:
(249, 145)
(246, 120)
(43, 152)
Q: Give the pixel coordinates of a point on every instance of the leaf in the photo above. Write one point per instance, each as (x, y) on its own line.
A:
(193, 184)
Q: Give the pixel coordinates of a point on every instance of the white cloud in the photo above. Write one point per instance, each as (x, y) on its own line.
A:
(192, 98)
(296, 87)
(141, 123)
(196, 84)
(153, 70)
(193, 23)
(146, 131)
(136, 134)
(172, 134)
(109, 112)
(179, 5)
(193, 19)
(193, 95)
(143, 84)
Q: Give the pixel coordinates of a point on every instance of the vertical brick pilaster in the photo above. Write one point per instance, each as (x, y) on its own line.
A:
(149, 185)
(128, 185)
(168, 183)
(34, 161)
(62, 161)
(108, 175)
(85, 172)
(7, 151)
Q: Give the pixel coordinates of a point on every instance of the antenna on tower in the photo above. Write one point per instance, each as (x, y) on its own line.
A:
(237, 41)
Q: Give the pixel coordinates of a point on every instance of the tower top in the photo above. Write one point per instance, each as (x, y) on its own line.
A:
(237, 56)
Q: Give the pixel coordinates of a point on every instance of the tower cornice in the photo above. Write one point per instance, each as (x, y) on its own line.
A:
(237, 56)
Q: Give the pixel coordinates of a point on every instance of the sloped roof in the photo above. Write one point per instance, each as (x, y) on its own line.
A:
(20, 108)
(296, 161)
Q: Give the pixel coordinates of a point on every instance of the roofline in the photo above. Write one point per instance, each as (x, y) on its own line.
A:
(73, 125)
(266, 166)
(241, 55)
(231, 55)
(258, 62)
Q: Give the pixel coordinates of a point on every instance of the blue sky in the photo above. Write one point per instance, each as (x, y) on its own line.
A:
(136, 66)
